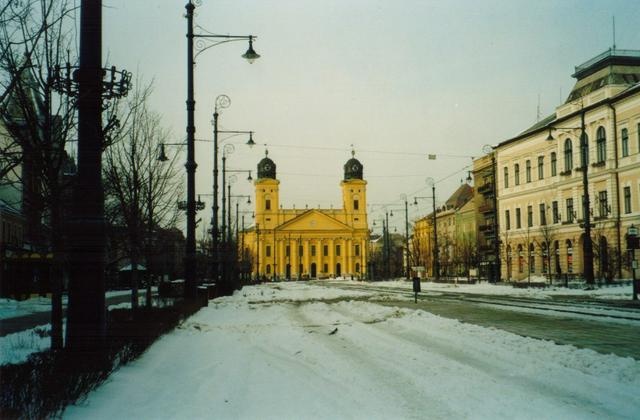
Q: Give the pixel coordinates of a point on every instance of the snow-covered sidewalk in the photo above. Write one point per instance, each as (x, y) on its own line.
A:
(303, 351)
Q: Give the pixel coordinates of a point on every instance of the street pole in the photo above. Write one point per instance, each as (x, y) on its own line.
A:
(588, 245)
(215, 234)
(257, 252)
(436, 263)
(224, 200)
(496, 242)
(406, 235)
(229, 214)
(237, 220)
(86, 315)
(242, 250)
(190, 246)
(387, 260)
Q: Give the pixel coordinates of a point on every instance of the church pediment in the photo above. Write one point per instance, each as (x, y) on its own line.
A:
(314, 220)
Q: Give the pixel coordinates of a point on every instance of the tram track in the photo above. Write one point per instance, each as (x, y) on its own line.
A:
(583, 308)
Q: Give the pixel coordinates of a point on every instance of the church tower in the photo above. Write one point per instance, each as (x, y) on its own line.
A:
(354, 194)
(267, 193)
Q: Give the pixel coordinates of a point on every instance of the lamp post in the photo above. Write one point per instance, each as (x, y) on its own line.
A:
(436, 263)
(587, 251)
(250, 55)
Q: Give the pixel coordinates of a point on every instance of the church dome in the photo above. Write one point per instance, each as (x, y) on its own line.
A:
(353, 169)
(266, 167)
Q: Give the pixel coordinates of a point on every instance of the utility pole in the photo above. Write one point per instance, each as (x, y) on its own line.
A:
(86, 315)
(215, 233)
(436, 262)
(406, 236)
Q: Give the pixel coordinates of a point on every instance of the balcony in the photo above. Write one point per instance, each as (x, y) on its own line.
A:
(485, 208)
(485, 228)
(486, 188)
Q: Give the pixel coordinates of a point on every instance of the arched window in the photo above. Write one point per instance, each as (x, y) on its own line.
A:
(516, 173)
(601, 143)
(532, 259)
(584, 150)
(520, 260)
(625, 141)
(568, 155)
(554, 164)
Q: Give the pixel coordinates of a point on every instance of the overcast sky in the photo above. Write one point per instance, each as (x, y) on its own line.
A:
(398, 79)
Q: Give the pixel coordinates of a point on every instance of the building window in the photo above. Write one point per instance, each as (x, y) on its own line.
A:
(569, 206)
(518, 221)
(569, 257)
(325, 268)
(507, 219)
(356, 204)
(313, 250)
(516, 173)
(267, 204)
(625, 142)
(506, 177)
(543, 214)
(601, 144)
(603, 206)
(300, 251)
(584, 150)
(357, 250)
(532, 259)
(268, 250)
(520, 260)
(540, 167)
(337, 250)
(556, 214)
(529, 216)
(325, 252)
(287, 251)
(627, 200)
(568, 155)
(528, 171)
(554, 164)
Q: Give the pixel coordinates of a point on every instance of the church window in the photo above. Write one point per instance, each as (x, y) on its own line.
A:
(325, 251)
(267, 204)
(357, 250)
(287, 251)
(313, 250)
(355, 204)
(337, 250)
(268, 250)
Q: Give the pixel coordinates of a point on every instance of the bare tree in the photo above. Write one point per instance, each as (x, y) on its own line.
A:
(35, 36)
(467, 253)
(141, 191)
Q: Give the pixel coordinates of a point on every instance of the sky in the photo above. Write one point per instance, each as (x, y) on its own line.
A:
(398, 80)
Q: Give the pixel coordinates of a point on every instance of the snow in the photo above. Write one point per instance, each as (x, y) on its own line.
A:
(295, 350)
(16, 347)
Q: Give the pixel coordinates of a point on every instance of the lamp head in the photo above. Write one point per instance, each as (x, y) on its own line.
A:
(468, 176)
(251, 55)
(162, 157)
(415, 201)
(250, 142)
(249, 178)
(550, 136)
(248, 200)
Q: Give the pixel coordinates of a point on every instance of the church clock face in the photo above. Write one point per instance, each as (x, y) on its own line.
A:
(267, 167)
(354, 167)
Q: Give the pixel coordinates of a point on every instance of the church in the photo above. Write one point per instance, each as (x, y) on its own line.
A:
(295, 244)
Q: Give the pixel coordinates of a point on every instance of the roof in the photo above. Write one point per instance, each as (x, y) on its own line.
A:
(460, 197)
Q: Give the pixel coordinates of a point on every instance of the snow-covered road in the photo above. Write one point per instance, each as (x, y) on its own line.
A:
(304, 351)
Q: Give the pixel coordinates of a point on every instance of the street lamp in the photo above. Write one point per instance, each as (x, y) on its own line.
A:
(250, 55)
(436, 264)
(587, 252)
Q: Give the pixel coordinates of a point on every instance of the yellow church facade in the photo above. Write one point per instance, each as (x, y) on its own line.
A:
(293, 244)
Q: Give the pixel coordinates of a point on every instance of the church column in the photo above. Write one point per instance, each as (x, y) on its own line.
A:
(307, 256)
(348, 253)
(318, 257)
(293, 251)
(281, 258)
(332, 259)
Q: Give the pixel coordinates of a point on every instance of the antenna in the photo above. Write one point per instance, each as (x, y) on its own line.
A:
(613, 18)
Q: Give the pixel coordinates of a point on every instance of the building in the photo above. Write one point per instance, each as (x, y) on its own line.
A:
(308, 243)
(486, 211)
(540, 177)
(456, 236)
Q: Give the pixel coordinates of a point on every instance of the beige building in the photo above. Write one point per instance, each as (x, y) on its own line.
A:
(456, 236)
(485, 204)
(540, 179)
(308, 243)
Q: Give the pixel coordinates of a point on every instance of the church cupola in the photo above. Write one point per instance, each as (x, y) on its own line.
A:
(353, 168)
(266, 167)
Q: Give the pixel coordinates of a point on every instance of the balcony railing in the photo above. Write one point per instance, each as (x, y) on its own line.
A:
(485, 208)
(609, 53)
(488, 187)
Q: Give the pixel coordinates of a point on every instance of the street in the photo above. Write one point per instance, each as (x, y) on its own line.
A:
(299, 350)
